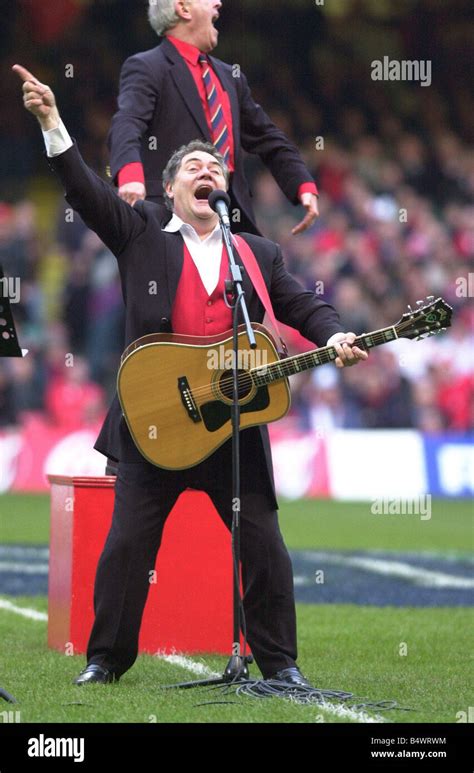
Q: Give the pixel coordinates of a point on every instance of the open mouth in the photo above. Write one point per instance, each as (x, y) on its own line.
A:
(214, 19)
(203, 192)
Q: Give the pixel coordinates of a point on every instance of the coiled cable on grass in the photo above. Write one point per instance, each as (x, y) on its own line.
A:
(301, 694)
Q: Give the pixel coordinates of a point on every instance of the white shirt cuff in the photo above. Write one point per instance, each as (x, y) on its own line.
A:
(57, 140)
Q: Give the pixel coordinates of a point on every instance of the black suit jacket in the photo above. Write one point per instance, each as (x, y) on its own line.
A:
(145, 253)
(158, 99)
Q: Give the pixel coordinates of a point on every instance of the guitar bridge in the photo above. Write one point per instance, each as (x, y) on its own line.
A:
(188, 400)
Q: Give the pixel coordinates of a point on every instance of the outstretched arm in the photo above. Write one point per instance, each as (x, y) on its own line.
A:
(113, 220)
(260, 135)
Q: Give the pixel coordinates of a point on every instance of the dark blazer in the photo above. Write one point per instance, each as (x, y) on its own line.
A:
(158, 98)
(146, 253)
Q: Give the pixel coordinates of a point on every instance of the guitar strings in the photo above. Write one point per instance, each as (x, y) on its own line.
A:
(280, 366)
(307, 360)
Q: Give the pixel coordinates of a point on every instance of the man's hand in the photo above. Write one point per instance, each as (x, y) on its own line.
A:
(348, 355)
(310, 203)
(38, 99)
(132, 192)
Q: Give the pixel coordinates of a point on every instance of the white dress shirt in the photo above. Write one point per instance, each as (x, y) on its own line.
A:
(205, 253)
(57, 141)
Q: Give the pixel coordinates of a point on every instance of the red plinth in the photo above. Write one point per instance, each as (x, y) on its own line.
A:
(189, 608)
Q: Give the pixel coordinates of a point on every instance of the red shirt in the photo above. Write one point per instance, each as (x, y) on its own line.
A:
(134, 172)
(190, 55)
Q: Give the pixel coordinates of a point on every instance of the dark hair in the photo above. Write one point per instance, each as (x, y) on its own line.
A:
(174, 164)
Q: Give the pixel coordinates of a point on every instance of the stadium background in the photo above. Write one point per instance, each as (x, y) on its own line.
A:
(387, 146)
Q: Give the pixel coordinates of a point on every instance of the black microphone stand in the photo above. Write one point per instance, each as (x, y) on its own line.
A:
(237, 666)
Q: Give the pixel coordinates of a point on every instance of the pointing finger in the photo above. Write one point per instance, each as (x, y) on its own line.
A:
(24, 74)
(305, 223)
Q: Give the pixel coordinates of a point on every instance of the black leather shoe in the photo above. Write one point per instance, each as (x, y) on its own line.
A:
(95, 674)
(291, 676)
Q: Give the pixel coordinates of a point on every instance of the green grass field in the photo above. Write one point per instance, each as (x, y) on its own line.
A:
(341, 646)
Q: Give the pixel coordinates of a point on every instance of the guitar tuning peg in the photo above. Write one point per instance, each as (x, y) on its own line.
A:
(410, 309)
(420, 303)
(430, 298)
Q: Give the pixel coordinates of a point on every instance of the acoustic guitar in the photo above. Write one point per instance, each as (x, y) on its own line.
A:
(176, 390)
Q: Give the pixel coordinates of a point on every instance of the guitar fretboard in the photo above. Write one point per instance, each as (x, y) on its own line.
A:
(298, 363)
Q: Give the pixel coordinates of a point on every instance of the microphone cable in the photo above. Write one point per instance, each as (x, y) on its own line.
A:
(304, 695)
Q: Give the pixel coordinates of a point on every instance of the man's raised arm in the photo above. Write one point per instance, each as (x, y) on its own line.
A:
(113, 220)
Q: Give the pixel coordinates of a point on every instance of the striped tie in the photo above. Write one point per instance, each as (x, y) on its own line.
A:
(220, 132)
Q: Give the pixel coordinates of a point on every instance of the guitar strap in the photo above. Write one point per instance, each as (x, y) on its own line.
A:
(253, 270)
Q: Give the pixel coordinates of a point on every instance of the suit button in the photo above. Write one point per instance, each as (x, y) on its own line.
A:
(208, 319)
(209, 303)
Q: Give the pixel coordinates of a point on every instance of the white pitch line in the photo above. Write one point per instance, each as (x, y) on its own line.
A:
(191, 665)
(425, 577)
(31, 614)
(348, 713)
(23, 551)
(301, 579)
(23, 568)
(201, 669)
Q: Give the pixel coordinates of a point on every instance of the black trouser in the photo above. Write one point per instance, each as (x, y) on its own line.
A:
(144, 496)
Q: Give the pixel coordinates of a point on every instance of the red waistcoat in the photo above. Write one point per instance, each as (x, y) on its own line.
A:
(194, 311)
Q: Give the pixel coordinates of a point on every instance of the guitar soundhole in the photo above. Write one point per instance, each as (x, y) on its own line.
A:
(225, 385)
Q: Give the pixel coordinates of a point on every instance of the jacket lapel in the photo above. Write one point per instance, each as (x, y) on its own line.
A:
(186, 86)
(174, 257)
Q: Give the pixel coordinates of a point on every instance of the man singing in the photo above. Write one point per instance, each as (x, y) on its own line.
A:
(174, 93)
(178, 250)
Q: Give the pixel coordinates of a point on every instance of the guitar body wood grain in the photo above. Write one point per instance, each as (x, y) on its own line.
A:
(163, 421)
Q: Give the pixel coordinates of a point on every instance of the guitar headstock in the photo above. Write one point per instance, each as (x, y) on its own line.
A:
(428, 318)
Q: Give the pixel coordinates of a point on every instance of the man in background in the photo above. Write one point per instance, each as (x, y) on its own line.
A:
(176, 92)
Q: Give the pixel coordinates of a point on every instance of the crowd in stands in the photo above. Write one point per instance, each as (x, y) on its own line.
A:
(396, 177)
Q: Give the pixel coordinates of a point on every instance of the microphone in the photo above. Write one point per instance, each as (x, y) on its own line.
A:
(219, 201)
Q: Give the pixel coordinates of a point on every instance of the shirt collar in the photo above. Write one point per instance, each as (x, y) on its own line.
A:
(187, 50)
(177, 224)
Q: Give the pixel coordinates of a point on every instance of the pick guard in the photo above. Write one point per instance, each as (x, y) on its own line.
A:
(216, 413)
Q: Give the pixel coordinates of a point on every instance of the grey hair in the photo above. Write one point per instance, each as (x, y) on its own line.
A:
(174, 164)
(162, 15)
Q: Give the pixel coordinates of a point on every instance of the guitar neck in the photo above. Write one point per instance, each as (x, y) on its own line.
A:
(298, 363)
